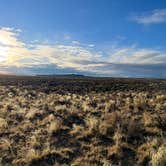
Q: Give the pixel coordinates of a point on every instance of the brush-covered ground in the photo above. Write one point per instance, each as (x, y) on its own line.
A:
(82, 122)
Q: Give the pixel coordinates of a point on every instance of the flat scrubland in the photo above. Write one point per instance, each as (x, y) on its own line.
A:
(48, 121)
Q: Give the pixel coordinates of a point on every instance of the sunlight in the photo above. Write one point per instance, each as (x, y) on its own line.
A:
(4, 39)
(3, 53)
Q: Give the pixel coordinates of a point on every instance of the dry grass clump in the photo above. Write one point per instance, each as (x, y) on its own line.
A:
(153, 152)
(159, 157)
(31, 154)
(5, 145)
(77, 130)
(109, 123)
(54, 127)
(92, 123)
(3, 124)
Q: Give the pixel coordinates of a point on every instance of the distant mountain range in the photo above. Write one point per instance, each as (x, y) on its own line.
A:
(63, 75)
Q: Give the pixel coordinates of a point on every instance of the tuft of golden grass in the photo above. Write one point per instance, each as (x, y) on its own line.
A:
(54, 126)
(3, 125)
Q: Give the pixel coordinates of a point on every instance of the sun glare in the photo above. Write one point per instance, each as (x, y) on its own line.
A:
(3, 53)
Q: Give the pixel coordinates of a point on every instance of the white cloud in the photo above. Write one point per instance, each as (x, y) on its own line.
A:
(9, 37)
(75, 42)
(91, 45)
(154, 17)
(15, 54)
(133, 55)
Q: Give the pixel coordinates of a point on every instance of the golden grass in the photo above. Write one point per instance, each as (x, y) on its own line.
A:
(92, 129)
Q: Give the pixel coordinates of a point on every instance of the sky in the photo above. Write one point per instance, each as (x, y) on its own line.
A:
(109, 38)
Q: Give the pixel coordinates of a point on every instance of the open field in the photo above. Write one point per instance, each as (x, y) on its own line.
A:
(48, 121)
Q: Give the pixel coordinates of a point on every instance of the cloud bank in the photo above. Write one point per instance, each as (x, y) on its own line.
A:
(154, 17)
(18, 57)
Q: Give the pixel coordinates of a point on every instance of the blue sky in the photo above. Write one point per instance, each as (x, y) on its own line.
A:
(123, 38)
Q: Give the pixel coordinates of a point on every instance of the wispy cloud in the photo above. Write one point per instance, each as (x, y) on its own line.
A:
(75, 42)
(134, 55)
(19, 57)
(154, 17)
(91, 45)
